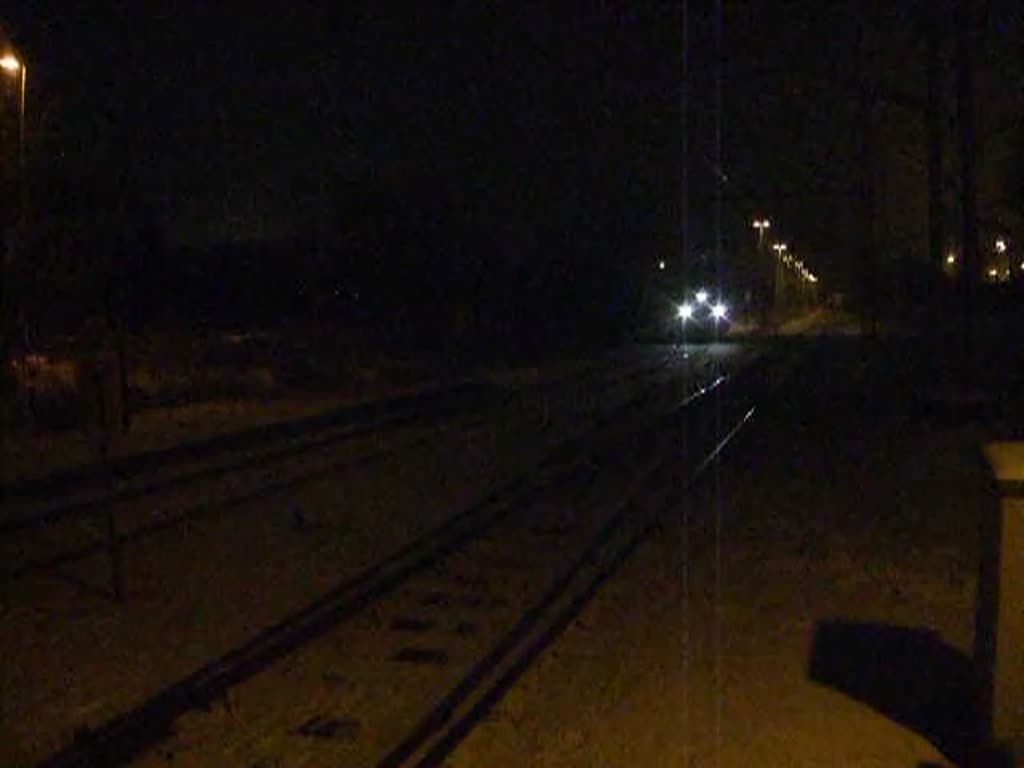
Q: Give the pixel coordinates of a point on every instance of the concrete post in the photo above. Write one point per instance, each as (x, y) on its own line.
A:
(999, 639)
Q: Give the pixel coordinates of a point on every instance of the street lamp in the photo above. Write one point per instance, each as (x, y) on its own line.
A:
(11, 66)
(761, 225)
(1003, 260)
(14, 67)
(780, 251)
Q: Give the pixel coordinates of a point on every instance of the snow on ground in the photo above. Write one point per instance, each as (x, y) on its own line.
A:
(25, 455)
(38, 454)
(838, 505)
(200, 589)
(74, 659)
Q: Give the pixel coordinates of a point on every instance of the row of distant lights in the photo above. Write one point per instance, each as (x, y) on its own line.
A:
(718, 310)
(1001, 247)
(780, 249)
(794, 263)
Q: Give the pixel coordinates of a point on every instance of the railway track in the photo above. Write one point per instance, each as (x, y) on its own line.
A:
(70, 492)
(395, 666)
(48, 533)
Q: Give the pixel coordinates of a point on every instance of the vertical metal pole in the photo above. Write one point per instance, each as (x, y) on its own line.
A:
(684, 148)
(936, 203)
(868, 214)
(718, 578)
(22, 237)
(109, 425)
(777, 273)
(968, 197)
(12, 225)
(21, 119)
(684, 521)
(760, 261)
(114, 542)
(865, 125)
(719, 165)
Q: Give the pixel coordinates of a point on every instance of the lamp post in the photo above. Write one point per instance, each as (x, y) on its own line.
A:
(14, 67)
(780, 250)
(761, 225)
(1002, 260)
(10, 237)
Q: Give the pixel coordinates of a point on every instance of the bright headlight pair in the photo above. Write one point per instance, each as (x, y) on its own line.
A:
(687, 310)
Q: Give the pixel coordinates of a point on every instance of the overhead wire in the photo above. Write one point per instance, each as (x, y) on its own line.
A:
(684, 521)
(717, 618)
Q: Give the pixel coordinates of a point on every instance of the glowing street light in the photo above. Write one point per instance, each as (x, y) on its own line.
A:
(11, 66)
(14, 67)
(761, 225)
(685, 311)
(1000, 245)
(702, 296)
(780, 276)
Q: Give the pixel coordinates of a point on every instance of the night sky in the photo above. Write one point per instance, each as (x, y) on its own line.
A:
(251, 119)
(532, 129)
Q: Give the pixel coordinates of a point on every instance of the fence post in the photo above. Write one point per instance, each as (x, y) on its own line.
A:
(105, 422)
(999, 635)
(113, 540)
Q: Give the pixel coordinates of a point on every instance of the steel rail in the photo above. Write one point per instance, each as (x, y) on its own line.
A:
(126, 736)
